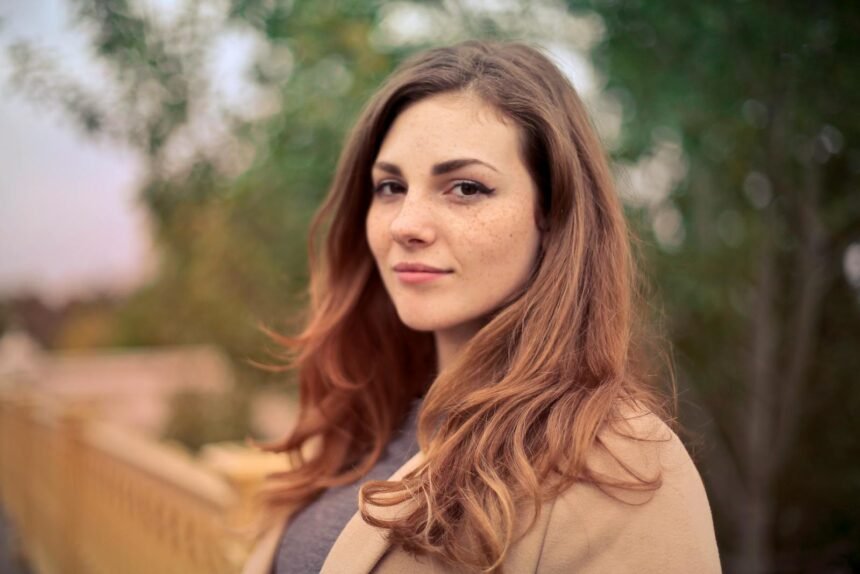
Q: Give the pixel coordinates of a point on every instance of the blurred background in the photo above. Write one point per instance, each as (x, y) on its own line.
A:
(160, 161)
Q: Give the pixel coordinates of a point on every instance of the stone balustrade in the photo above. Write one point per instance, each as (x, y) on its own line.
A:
(88, 497)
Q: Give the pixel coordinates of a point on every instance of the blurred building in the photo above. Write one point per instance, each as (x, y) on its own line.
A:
(129, 387)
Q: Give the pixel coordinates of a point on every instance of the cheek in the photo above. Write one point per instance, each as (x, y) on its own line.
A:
(503, 247)
(375, 231)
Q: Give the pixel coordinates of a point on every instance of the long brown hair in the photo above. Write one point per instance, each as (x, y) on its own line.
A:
(512, 419)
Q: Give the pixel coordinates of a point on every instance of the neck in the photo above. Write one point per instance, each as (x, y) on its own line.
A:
(450, 342)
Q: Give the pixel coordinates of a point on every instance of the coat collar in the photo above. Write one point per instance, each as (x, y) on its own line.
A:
(265, 549)
(360, 546)
(356, 551)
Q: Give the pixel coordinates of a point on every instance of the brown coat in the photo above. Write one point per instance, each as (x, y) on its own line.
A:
(583, 530)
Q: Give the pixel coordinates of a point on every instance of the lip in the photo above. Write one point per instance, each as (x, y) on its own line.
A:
(414, 273)
(418, 268)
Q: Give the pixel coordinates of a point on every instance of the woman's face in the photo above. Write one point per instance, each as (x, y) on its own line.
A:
(452, 221)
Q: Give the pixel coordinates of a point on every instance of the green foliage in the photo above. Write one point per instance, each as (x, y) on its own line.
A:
(232, 247)
(762, 316)
(198, 419)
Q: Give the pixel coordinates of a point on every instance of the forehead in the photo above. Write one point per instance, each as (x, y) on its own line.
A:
(451, 125)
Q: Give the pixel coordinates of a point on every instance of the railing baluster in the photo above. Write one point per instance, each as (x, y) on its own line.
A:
(91, 498)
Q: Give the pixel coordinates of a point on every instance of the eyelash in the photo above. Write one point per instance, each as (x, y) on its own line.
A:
(481, 188)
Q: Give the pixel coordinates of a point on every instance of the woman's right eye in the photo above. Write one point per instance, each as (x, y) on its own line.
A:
(388, 187)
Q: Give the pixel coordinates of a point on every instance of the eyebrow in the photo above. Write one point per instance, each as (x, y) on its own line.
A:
(438, 169)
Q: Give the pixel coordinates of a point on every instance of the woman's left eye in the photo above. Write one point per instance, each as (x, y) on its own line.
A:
(470, 189)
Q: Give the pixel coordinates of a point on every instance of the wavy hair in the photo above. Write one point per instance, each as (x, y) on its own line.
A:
(510, 422)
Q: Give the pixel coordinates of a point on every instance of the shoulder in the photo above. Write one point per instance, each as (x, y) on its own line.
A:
(618, 528)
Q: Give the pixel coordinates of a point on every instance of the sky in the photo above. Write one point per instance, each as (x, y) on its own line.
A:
(69, 220)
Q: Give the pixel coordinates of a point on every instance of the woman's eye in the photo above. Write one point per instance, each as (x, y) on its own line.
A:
(388, 188)
(471, 189)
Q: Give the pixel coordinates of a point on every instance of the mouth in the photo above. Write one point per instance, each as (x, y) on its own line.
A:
(415, 273)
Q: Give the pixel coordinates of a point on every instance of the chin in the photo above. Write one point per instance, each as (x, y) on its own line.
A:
(422, 325)
(423, 322)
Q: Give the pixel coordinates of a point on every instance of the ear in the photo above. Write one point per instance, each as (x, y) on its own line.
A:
(541, 222)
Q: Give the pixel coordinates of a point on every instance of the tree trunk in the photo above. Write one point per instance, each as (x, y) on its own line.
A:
(755, 556)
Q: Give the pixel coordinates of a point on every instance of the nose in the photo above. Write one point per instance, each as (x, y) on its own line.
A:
(413, 225)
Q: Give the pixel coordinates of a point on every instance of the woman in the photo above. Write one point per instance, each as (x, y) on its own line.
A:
(471, 392)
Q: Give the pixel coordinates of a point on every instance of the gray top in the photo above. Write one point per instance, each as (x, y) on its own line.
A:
(312, 531)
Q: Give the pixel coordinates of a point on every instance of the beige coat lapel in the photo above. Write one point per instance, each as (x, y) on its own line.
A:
(264, 552)
(360, 545)
(357, 549)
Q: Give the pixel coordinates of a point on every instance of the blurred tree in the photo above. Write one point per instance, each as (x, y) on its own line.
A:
(742, 107)
(231, 241)
(87, 324)
(198, 419)
(764, 322)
